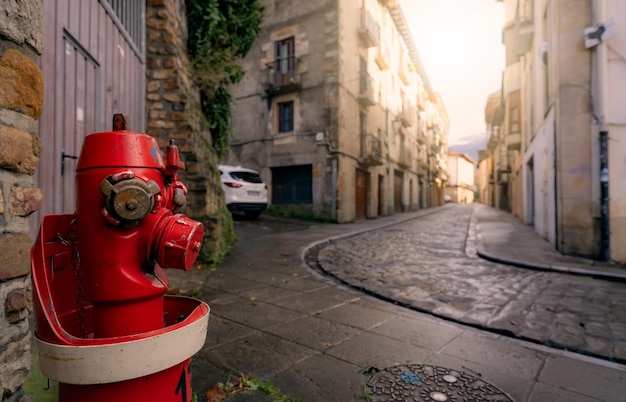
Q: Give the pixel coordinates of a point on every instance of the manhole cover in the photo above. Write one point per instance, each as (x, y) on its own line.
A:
(417, 382)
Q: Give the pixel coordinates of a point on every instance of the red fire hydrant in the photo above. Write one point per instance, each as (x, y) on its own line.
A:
(105, 329)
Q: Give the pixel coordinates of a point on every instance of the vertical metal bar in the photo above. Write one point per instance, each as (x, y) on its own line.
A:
(605, 226)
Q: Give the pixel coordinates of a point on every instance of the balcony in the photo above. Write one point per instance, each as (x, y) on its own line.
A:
(406, 114)
(422, 168)
(382, 57)
(371, 150)
(405, 159)
(403, 74)
(421, 136)
(421, 100)
(513, 141)
(366, 90)
(525, 31)
(524, 28)
(282, 76)
(368, 29)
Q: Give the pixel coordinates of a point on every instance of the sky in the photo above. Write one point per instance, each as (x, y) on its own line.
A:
(459, 42)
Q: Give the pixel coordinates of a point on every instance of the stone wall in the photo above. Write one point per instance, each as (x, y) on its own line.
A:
(21, 103)
(173, 112)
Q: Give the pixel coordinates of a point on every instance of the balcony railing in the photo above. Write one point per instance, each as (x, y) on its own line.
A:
(368, 29)
(371, 150)
(366, 89)
(282, 76)
(383, 56)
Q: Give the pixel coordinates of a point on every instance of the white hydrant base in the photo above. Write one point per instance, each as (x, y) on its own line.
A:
(103, 364)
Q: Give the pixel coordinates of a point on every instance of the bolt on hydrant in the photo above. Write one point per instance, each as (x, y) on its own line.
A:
(105, 329)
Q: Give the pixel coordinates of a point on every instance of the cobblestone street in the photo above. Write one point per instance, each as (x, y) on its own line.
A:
(430, 264)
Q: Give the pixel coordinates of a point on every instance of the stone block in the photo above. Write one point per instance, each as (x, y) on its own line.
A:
(163, 74)
(15, 362)
(22, 22)
(153, 86)
(171, 84)
(160, 124)
(23, 201)
(18, 305)
(158, 114)
(156, 23)
(178, 116)
(19, 150)
(21, 84)
(15, 251)
(174, 97)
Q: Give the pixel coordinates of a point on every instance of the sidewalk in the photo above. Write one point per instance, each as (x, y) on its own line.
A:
(499, 230)
(304, 337)
(284, 324)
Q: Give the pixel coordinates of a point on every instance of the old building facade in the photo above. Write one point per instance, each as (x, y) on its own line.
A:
(562, 92)
(337, 113)
(460, 187)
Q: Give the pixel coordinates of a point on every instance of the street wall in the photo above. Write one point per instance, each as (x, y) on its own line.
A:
(21, 104)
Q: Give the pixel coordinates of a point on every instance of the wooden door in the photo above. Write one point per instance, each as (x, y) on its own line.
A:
(397, 192)
(360, 191)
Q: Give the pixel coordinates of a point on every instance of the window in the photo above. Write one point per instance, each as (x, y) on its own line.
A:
(292, 184)
(285, 117)
(285, 61)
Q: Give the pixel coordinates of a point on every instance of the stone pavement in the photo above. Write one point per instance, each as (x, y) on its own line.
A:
(283, 322)
(431, 265)
(276, 317)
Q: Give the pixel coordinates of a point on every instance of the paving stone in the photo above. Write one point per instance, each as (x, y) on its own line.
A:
(260, 353)
(584, 378)
(355, 315)
(430, 334)
(364, 351)
(255, 313)
(322, 378)
(314, 332)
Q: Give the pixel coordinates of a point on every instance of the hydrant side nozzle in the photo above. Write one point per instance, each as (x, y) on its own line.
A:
(179, 242)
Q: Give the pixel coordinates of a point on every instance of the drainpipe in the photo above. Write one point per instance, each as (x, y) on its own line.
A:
(333, 194)
(605, 225)
(600, 111)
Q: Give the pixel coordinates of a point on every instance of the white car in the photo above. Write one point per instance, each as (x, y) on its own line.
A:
(244, 190)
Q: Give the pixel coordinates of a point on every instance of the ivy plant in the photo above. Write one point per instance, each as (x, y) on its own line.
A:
(220, 34)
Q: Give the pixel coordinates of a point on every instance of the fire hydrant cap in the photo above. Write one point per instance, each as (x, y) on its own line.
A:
(181, 242)
(120, 148)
